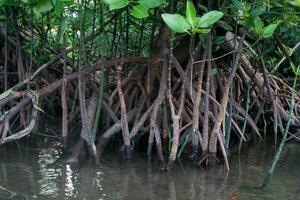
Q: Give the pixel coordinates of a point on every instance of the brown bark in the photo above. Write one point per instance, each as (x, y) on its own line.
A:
(222, 109)
(271, 99)
(176, 116)
(56, 84)
(124, 121)
(196, 107)
(86, 122)
(6, 56)
(206, 105)
(86, 136)
(157, 104)
(64, 100)
(104, 139)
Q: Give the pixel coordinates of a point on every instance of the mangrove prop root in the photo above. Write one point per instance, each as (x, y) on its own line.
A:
(124, 121)
(155, 99)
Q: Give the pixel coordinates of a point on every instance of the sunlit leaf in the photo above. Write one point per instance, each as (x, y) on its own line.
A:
(257, 11)
(258, 25)
(269, 30)
(117, 4)
(2, 17)
(295, 69)
(201, 30)
(59, 5)
(44, 6)
(247, 7)
(209, 19)
(151, 3)
(140, 11)
(110, 1)
(176, 22)
(191, 13)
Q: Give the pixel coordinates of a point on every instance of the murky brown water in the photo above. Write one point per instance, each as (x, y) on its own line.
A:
(39, 175)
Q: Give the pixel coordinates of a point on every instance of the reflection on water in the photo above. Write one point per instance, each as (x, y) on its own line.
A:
(49, 174)
(69, 191)
(42, 175)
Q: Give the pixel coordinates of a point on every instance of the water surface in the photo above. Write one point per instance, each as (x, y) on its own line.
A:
(37, 174)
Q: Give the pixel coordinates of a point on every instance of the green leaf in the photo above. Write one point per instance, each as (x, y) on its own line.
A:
(219, 40)
(176, 22)
(44, 6)
(209, 19)
(2, 17)
(258, 25)
(151, 3)
(59, 5)
(246, 8)
(213, 72)
(201, 30)
(9, 2)
(257, 11)
(237, 4)
(110, 1)
(140, 11)
(269, 30)
(295, 69)
(191, 13)
(225, 25)
(203, 8)
(63, 26)
(117, 4)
